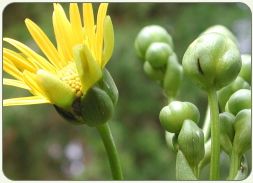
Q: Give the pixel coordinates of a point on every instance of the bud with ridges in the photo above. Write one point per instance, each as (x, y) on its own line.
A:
(173, 76)
(245, 72)
(212, 61)
(238, 101)
(242, 127)
(225, 93)
(173, 115)
(221, 30)
(191, 142)
(155, 74)
(148, 35)
(227, 131)
(157, 54)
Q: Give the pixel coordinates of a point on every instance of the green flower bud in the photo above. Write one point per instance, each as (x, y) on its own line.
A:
(227, 131)
(225, 93)
(238, 101)
(157, 54)
(242, 127)
(212, 61)
(148, 35)
(191, 142)
(172, 116)
(173, 76)
(245, 72)
(221, 30)
(156, 74)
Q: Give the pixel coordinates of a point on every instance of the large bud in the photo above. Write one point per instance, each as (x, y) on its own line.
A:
(173, 115)
(212, 60)
(191, 142)
(148, 35)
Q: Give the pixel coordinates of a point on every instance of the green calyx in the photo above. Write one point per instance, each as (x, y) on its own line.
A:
(148, 35)
(242, 127)
(173, 115)
(191, 142)
(227, 131)
(245, 72)
(96, 107)
(238, 101)
(212, 61)
(225, 93)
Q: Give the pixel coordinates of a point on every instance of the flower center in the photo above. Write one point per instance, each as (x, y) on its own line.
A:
(70, 76)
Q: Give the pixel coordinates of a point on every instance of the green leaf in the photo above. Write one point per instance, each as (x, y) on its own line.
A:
(183, 169)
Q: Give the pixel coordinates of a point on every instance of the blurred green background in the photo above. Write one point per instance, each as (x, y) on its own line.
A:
(39, 145)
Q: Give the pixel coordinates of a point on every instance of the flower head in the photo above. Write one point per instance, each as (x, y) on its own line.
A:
(69, 69)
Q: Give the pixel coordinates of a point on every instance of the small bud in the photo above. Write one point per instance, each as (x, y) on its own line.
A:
(245, 72)
(172, 116)
(238, 101)
(242, 126)
(212, 61)
(157, 54)
(148, 35)
(173, 76)
(156, 74)
(191, 142)
(225, 93)
(226, 131)
(221, 30)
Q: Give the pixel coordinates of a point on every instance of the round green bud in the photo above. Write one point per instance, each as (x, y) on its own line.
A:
(156, 74)
(157, 54)
(212, 61)
(173, 76)
(191, 142)
(226, 131)
(225, 92)
(148, 35)
(173, 115)
(245, 72)
(238, 101)
(242, 127)
(221, 30)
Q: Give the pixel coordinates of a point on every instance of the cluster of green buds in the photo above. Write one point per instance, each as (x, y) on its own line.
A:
(154, 46)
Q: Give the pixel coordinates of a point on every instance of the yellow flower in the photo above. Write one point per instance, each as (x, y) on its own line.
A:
(70, 68)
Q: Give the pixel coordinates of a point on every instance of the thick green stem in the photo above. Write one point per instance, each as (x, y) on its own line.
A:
(105, 133)
(215, 134)
(234, 165)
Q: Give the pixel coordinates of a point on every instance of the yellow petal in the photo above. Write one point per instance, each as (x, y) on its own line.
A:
(16, 83)
(108, 41)
(63, 33)
(25, 101)
(89, 27)
(19, 61)
(100, 30)
(44, 43)
(56, 90)
(10, 68)
(87, 68)
(76, 23)
(30, 54)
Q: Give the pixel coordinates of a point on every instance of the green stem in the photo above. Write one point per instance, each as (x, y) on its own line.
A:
(105, 133)
(206, 126)
(215, 134)
(234, 165)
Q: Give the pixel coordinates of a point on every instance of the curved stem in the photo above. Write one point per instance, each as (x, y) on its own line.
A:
(215, 134)
(234, 165)
(105, 134)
